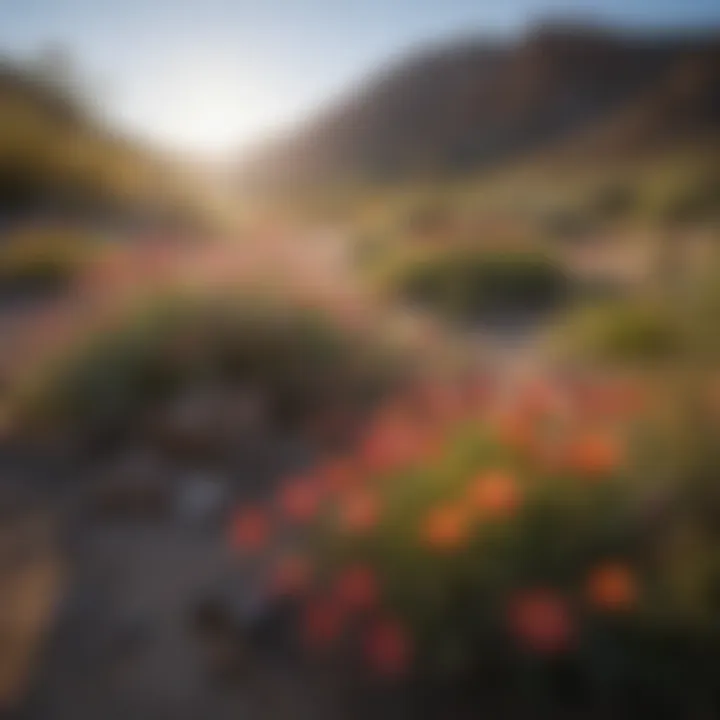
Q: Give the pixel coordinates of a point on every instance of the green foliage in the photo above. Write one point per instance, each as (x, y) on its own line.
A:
(682, 198)
(465, 283)
(297, 357)
(43, 258)
(624, 331)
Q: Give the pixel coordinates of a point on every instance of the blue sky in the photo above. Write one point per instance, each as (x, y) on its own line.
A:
(207, 75)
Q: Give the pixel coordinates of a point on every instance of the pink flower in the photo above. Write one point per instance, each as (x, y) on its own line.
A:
(360, 511)
(299, 499)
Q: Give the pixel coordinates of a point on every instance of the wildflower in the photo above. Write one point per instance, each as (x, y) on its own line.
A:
(542, 399)
(360, 511)
(444, 402)
(357, 587)
(249, 529)
(322, 623)
(299, 499)
(540, 621)
(337, 476)
(495, 493)
(594, 454)
(445, 528)
(389, 445)
(388, 649)
(516, 431)
(291, 576)
(612, 587)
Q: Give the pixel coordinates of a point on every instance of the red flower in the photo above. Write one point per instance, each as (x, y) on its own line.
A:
(322, 623)
(249, 529)
(388, 649)
(360, 511)
(540, 621)
(446, 528)
(612, 587)
(389, 445)
(299, 499)
(338, 476)
(291, 575)
(357, 588)
(496, 493)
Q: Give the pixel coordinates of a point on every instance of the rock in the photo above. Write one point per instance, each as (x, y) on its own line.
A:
(200, 498)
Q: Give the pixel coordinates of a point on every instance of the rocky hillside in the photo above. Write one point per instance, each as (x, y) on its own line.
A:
(476, 104)
(57, 156)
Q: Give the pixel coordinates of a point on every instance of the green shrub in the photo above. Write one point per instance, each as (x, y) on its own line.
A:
(625, 331)
(685, 198)
(465, 283)
(614, 201)
(296, 356)
(43, 258)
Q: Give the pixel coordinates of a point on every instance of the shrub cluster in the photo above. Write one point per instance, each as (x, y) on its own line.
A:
(465, 283)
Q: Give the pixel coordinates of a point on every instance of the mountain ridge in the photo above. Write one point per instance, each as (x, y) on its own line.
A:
(474, 104)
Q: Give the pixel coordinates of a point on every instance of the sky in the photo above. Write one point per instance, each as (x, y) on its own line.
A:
(211, 76)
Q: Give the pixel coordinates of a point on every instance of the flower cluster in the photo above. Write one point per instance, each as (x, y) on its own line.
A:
(460, 505)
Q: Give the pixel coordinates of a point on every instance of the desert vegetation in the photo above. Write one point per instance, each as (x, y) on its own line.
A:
(412, 415)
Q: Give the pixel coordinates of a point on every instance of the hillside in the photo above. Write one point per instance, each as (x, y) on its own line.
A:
(57, 156)
(476, 104)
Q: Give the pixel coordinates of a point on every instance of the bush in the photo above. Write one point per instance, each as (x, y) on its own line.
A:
(46, 258)
(467, 284)
(685, 199)
(295, 356)
(474, 545)
(624, 331)
(614, 201)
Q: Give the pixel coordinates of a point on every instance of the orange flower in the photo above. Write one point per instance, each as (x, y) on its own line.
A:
(249, 529)
(321, 623)
(594, 454)
(617, 400)
(540, 620)
(291, 575)
(357, 588)
(612, 587)
(516, 431)
(445, 528)
(388, 649)
(496, 493)
(299, 499)
(360, 511)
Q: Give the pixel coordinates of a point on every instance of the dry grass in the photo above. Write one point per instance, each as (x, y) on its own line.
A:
(30, 583)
